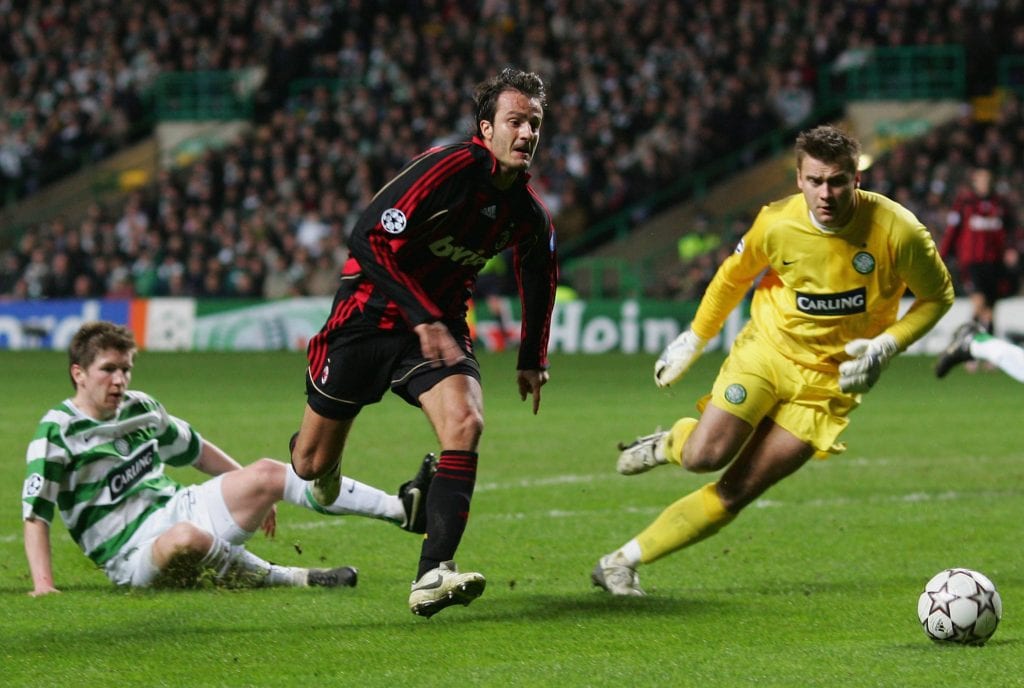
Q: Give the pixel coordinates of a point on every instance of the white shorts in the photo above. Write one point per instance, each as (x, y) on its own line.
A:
(201, 505)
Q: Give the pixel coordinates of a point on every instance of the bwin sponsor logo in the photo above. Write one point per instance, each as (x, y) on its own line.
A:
(124, 477)
(443, 248)
(845, 303)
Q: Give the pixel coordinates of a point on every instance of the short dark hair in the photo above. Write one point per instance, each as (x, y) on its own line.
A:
(509, 79)
(828, 144)
(94, 337)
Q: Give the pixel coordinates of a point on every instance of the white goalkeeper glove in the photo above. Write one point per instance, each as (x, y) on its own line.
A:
(677, 358)
(871, 356)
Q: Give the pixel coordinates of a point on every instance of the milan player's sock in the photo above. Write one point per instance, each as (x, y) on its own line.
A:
(447, 507)
(355, 498)
(672, 448)
(687, 521)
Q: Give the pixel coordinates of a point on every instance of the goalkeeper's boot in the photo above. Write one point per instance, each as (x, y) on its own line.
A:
(616, 578)
(642, 454)
(413, 494)
(326, 488)
(443, 587)
(341, 577)
(959, 349)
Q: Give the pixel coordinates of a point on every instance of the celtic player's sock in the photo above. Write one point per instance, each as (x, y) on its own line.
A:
(355, 498)
(687, 521)
(1008, 357)
(447, 507)
(234, 565)
(672, 446)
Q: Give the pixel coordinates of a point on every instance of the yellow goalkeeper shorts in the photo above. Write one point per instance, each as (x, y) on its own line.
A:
(757, 381)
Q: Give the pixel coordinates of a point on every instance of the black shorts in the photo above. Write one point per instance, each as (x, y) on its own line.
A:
(991, 280)
(363, 362)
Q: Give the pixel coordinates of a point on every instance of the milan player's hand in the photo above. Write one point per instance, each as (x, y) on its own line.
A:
(677, 358)
(870, 358)
(530, 382)
(438, 345)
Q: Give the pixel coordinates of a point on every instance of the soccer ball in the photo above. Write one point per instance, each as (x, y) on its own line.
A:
(960, 606)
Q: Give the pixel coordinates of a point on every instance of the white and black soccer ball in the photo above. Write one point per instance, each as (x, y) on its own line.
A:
(960, 606)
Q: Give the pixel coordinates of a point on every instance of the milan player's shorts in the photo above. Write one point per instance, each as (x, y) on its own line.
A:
(364, 362)
(991, 280)
(201, 505)
(757, 381)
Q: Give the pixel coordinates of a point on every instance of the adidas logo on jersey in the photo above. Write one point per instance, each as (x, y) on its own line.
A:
(490, 211)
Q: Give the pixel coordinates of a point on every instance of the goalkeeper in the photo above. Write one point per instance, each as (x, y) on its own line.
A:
(834, 261)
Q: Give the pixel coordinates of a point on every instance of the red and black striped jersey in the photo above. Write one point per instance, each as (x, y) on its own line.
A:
(977, 229)
(418, 247)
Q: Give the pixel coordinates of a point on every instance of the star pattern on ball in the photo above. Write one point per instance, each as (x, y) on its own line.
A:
(940, 600)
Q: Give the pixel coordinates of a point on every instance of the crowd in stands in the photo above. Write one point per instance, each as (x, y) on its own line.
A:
(925, 174)
(641, 94)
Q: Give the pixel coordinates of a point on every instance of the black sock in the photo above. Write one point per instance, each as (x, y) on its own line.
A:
(447, 507)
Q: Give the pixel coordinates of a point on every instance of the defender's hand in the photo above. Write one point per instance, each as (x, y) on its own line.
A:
(677, 358)
(871, 356)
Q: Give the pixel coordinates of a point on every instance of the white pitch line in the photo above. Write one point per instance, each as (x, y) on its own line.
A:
(315, 522)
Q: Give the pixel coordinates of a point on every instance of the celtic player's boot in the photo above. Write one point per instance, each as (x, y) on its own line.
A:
(340, 577)
(616, 578)
(413, 494)
(958, 350)
(642, 454)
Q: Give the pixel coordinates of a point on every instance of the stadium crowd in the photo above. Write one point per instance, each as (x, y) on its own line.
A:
(631, 112)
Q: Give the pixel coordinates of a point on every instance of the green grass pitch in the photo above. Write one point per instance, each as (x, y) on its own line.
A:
(814, 585)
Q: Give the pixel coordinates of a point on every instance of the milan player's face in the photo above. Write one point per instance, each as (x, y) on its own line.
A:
(513, 135)
(100, 388)
(981, 180)
(830, 190)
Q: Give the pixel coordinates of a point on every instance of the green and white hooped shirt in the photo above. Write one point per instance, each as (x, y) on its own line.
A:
(105, 477)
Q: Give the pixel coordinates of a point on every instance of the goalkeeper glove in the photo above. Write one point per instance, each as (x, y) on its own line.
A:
(677, 358)
(871, 356)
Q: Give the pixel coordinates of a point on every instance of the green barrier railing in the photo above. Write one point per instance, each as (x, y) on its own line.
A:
(206, 95)
(932, 72)
(1010, 71)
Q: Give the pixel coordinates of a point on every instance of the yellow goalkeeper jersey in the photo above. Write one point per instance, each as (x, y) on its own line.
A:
(821, 288)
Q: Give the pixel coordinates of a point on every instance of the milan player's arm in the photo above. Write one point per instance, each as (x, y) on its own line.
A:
(422, 191)
(536, 270)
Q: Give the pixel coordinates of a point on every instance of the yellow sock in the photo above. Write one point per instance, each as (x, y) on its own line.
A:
(688, 520)
(676, 438)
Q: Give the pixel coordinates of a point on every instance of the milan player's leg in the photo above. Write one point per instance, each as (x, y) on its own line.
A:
(316, 453)
(454, 406)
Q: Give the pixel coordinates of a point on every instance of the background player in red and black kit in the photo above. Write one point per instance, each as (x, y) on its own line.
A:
(399, 318)
(976, 236)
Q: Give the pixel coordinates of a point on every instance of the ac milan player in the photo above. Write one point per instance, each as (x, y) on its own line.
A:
(976, 236)
(399, 318)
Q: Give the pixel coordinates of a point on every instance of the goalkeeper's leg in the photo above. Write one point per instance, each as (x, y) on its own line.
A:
(771, 454)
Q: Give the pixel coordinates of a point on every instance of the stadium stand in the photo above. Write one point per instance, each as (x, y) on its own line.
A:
(351, 90)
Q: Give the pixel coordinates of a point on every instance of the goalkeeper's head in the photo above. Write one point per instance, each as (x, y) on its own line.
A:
(829, 145)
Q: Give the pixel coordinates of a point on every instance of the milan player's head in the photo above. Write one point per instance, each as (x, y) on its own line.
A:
(509, 79)
(981, 181)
